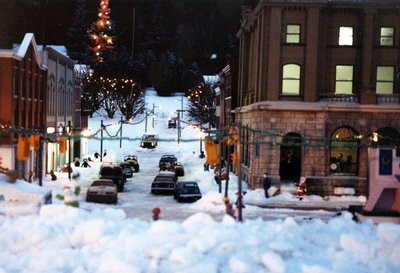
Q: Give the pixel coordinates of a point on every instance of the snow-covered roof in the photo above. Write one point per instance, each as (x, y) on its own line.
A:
(59, 48)
(211, 78)
(20, 50)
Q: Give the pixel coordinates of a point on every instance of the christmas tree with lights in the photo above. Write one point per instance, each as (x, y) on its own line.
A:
(101, 32)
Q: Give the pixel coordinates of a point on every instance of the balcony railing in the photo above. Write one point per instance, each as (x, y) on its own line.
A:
(388, 99)
(338, 98)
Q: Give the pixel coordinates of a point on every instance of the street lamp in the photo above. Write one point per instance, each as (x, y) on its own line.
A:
(103, 127)
(201, 136)
(154, 115)
(181, 100)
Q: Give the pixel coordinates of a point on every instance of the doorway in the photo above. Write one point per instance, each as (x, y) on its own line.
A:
(290, 157)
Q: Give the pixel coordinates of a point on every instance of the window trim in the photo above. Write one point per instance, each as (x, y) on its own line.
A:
(352, 36)
(380, 36)
(383, 81)
(293, 34)
(355, 142)
(352, 79)
(297, 79)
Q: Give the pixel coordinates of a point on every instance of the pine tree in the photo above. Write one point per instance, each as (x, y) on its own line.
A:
(77, 46)
(101, 33)
(111, 85)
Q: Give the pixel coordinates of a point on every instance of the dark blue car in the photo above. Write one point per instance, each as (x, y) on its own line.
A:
(187, 191)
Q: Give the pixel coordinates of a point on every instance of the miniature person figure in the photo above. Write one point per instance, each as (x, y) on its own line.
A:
(66, 169)
(53, 176)
(85, 163)
(228, 207)
(301, 188)
(237, 206)
(30, 174)
(266, 184)
(202, 154)
(156, 213)
(96, 154)
(77, 163)
(105, 153)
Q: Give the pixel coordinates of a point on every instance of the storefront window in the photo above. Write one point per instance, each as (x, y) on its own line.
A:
(344, 152)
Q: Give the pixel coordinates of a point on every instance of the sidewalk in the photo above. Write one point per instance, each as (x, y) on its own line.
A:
(307, 205)
(286, 199)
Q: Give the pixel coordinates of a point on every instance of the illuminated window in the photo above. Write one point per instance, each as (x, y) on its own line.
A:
(387, 34)
(384, 79)
(344, 79)
(291, 79)
(344, 152)
(293, 34)
(346, 36)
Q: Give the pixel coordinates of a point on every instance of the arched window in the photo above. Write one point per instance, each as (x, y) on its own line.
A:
(344, 152)
(291, 79)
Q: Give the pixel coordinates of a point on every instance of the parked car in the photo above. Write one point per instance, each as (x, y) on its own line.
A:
(172, 122)
(149, 141)
(113, 171)
(166, 160)
(132, 159)
(164, 182)
(170, 161)
(127, 169)
(187, 191)
(102, 191)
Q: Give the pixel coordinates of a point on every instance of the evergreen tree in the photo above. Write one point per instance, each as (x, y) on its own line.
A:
(110, 84)
(78, 46)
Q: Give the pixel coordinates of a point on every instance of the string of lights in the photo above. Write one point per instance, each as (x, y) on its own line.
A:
(221, 135)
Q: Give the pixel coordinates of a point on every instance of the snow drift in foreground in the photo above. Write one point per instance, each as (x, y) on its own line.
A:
(66, 239)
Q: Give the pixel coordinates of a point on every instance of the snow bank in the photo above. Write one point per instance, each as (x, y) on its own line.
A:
(67, 239)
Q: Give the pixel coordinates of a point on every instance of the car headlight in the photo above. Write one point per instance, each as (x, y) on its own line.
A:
(152, 144)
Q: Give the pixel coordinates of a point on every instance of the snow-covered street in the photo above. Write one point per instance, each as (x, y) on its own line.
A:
(190, 237)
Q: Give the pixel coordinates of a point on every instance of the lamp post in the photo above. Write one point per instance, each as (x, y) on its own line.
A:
(181, 100)
(201, 134)
(120, 135)
(69, 149)
(101, 141)
(154, 113)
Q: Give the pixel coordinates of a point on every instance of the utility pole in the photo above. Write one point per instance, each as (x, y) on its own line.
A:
(101, 141)
(69, 150)
(153, 114)
(120, 135)
(145, 124)
(179, 126)
(40, 167)
(239, 173)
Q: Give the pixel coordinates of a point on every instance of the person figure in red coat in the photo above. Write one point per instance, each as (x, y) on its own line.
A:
(301, 188)
(156, 213)
(228, 207)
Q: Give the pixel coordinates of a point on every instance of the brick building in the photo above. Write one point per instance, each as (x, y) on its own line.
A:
(317, 81)
(22, 100)
(226, 91)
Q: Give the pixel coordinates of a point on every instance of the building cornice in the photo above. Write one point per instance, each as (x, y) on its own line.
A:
(318, 107)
